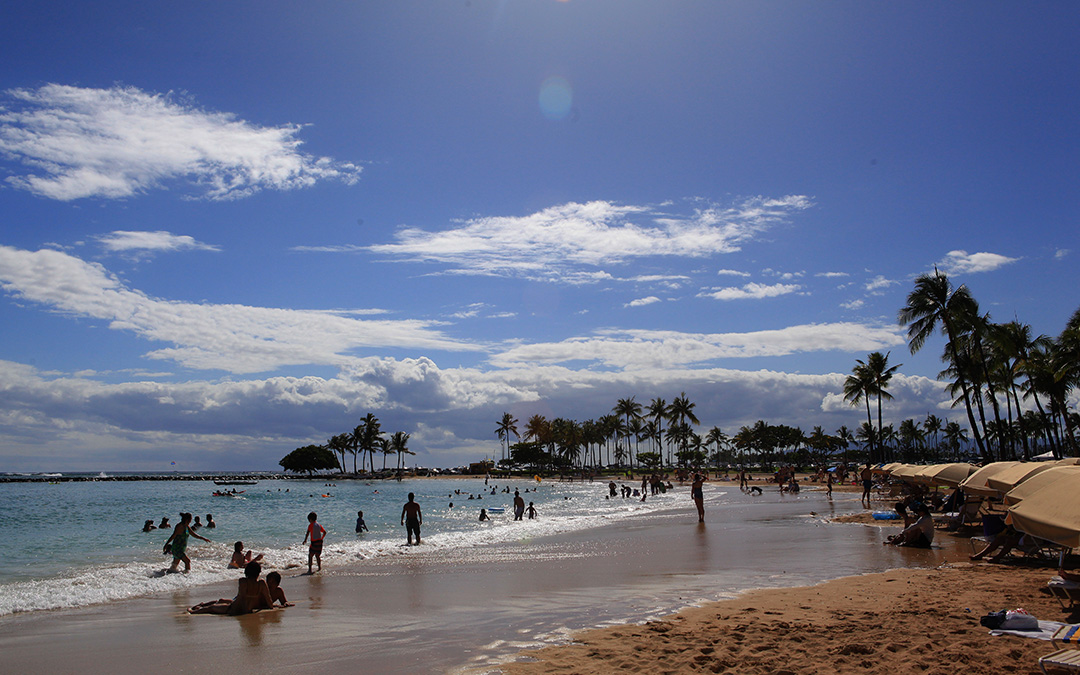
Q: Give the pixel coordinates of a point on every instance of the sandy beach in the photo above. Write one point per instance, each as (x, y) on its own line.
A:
(476, 610)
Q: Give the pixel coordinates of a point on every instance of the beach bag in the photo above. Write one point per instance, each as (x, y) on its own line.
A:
(993, 620)
(1019, 619)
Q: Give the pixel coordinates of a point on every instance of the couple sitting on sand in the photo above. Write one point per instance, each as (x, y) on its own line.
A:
(253, 594)
(918, 531)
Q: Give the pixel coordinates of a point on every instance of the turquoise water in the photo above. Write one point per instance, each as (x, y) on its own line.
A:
(80, 543)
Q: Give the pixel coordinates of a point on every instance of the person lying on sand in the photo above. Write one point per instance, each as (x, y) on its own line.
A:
(252, 594)
(273, 584)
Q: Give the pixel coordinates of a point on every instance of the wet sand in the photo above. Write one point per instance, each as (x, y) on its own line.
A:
(437, 612)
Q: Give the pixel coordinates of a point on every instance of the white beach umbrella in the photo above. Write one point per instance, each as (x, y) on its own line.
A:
(1051, 512)
(950, 475)
(976, 484)
(1003, 481)
(1035, 483)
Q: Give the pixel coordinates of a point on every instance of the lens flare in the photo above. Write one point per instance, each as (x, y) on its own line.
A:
(556, 97)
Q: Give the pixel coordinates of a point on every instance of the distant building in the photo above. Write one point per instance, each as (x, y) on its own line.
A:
(477, 468)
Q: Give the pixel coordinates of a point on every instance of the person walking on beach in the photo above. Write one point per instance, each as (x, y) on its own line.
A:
(317, 533)
(698, 495)
(867, 481)
(828, 485)
(178, 541)
(412, 519)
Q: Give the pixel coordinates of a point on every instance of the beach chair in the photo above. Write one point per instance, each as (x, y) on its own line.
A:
(1066, 659)
(969, 514)
(1066, 592)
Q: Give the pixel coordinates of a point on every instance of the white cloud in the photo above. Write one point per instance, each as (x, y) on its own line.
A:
(751, 291)
(635, 349)
(853, 304)
(122, 241)
(556, 243)
(233, 338)
(831, 275)
(962, 262)
(641, 302)
(117, 142)
(1061, 253)
(878, 283)
(732, 273)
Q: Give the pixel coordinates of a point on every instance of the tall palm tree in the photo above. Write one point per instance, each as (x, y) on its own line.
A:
(507, 426)
(932, 426)
(658, 413)
(932, 306)
(369, 441)
(628, 409)
(878, 366)
(399, 442)
(859, 387)
(844, 437)
(682, 411)
(339, 443)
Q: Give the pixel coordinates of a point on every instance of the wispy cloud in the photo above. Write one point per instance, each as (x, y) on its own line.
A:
(751, 291)
(117, 142)
(641, 302)
(732, 273)
(630, 349)
(879, 283)
(122, 241)
(233, 338)
(568, 243)
(962, 262)
(831, 275)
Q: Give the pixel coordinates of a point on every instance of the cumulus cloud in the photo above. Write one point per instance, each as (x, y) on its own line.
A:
(635, 349)
(879, 283)
(566, 243)
(114, 143)
(641, 302)
(853, 304)
(233, 338)
(962, 262)
(751, 291)
(123, 241)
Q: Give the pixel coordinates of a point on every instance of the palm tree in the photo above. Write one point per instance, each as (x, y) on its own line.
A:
(844, 437)
(935, 305)
(399, 442)
(682, 411)
(356, 442)
(932, 426)
(859, 386)
(628, 409)
(507, 426)
(954, 436)
(339, 443)
(658, 412)
(878, 366)
(369, 440)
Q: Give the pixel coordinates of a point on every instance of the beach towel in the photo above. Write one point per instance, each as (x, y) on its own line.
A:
(1051, 631)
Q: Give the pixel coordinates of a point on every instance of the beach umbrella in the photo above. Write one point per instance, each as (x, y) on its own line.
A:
(887, 468)
(924, 473)
(1067, 461)
(949, 474)
(1052, 512)
(906, 472)
(1005, 480)
(975, 484)
(1035, 483)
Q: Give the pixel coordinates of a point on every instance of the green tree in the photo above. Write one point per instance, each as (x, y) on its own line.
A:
(309, 459)
(507, 425)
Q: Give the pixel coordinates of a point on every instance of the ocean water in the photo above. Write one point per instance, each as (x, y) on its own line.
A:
(81, 543)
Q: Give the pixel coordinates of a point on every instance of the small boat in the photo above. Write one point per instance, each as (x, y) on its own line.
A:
(235, 482)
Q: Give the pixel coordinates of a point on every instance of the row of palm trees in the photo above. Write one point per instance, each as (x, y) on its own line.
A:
(367, 439)
(992, 370)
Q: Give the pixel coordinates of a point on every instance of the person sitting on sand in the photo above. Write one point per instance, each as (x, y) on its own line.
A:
(240, 559)
(148, 525)
(252, 594)
(273, 585)
(919, 534)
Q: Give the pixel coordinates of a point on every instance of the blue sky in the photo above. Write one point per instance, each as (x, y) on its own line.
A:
(226, 231)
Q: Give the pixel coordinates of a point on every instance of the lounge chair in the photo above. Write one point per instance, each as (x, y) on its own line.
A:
(1067, 659)
(969, 514)
(1066, 592)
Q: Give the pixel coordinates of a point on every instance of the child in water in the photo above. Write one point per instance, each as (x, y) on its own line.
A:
(361, 526)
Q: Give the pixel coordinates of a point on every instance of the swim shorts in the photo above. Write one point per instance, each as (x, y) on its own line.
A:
(316, 546)
(412, 526)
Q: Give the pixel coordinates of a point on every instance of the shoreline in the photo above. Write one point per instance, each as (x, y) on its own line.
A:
(472, 609)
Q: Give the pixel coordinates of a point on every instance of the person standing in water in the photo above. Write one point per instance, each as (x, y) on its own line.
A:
(867, 482)
(519, 505)
(317, 533)
(698, 495)
(412, 519)
(177, 543)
